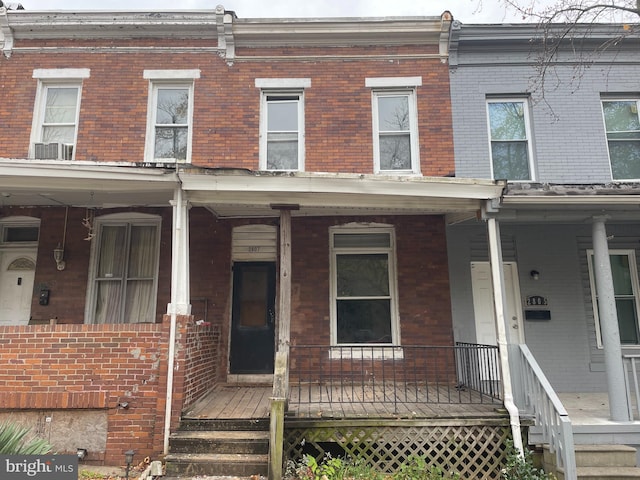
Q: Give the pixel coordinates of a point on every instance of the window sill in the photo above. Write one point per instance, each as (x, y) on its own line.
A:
(390, 353)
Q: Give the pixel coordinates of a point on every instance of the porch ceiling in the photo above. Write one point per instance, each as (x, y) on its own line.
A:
(83, 184)
(236, 193)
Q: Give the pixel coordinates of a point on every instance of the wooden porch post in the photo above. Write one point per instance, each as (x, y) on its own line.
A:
(284, 291)
(609, 323)
(280, 396)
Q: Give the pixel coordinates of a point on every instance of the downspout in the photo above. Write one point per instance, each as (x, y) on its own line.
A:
(497, 276)
(173, 310)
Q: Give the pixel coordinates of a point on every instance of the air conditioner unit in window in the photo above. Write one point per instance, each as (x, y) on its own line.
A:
(46, 150)
(53, 151)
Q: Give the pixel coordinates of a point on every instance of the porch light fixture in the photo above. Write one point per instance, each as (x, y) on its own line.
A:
(81, 453)
(128, 458)
(58, 256)
(535, 274)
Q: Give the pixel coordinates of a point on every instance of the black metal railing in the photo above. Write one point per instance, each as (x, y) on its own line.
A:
(462, 373)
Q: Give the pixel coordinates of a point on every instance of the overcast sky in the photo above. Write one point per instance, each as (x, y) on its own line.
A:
(467, 11)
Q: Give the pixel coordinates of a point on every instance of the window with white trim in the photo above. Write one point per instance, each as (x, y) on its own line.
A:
(124, 275)
(57, 113)
(510, 138)
(363, 286)
(395, 124)
(282, 128)
(170, 115)
(626, 292)
(283, 139)
(622, 125)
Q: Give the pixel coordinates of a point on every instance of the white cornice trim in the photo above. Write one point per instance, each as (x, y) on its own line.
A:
(229, 31)
(336, 32)
(6, 34)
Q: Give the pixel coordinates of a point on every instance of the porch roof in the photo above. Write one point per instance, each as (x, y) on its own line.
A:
(235, 192)
(238, 192)
(531, 202)
(83, 184)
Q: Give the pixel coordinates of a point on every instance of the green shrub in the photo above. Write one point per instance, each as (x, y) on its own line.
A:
(14, 440)
(519, 468)
(415, 468)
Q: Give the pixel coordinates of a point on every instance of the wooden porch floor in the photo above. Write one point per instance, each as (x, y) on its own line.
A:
(252, 402)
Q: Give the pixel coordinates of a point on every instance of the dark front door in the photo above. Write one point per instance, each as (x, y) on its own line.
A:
(253, 318)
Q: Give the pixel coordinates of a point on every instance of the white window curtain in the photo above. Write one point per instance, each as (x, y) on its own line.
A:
(125, 274)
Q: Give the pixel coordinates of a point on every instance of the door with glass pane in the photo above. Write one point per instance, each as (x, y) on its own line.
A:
(124, 280)
(252, 347)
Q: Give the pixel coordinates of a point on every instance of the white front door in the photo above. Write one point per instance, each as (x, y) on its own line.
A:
(483, 307)
(17, 273)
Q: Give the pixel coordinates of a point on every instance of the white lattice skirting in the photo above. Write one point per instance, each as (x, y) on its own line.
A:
(472, 448)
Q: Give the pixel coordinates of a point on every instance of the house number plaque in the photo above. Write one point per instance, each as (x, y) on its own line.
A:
(536, 301)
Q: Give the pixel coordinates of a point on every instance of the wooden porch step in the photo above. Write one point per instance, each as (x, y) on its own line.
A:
(222, 442)
(237, 447)
(225, 424)
(235, 465)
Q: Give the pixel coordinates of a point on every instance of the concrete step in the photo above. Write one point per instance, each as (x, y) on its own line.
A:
(605, 456)
(237, 441)
(235, 465)
(608, 473)
(598, 456)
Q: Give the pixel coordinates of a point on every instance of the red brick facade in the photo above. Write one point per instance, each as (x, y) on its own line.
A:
(90, 367)
(113, 111)
(73, 365)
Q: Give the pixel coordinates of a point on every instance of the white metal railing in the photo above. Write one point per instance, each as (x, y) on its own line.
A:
(550, 415)
(631, 366)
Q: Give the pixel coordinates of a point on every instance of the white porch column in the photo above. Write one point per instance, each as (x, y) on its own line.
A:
(180, 301)
(500, 305)
(180, 287)
(608, 316)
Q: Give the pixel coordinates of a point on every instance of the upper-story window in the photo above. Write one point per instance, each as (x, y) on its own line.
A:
(363, 286)
(395, 124)
(57, 111)
(623, 136)
(170, 115)
(282, 123)
(510, 138)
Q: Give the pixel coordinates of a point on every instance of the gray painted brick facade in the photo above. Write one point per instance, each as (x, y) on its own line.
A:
(569, 142)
